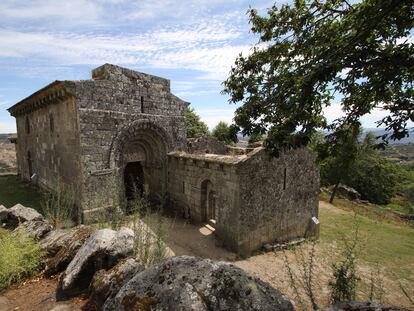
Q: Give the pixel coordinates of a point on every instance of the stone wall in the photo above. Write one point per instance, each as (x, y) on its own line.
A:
(279, 196)
(50, 136)
(187, 173)
(120, 107)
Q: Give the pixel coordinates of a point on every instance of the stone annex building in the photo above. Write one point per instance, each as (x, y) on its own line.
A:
(124, 123)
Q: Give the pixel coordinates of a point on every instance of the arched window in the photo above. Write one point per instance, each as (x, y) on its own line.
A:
(27, 125)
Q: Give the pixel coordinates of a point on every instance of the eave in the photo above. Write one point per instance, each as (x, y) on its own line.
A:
(52, 93)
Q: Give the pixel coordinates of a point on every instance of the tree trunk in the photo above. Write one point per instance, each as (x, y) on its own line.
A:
(334, 192)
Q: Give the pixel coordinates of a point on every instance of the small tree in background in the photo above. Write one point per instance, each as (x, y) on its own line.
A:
(254, 138)
(195, 127)
(226, 133)
(341, 151)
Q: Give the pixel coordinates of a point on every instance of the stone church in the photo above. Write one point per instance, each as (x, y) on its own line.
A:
(124, 123)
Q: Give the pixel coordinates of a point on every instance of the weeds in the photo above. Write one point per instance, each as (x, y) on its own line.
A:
(58, 205)
(303, 280)
(20, 257)
(376, 286)
(344, 283)
(149, 229)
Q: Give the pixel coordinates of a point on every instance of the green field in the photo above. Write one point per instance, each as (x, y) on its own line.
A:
(390, 245)
(13, 191)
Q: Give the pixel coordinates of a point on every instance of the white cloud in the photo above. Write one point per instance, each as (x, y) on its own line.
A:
(204, 49)
(79, 12)
(334, 112)
(213, 116)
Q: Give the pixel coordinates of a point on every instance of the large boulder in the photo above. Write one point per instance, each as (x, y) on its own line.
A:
(347, 192)
(362, 306)
(189, 283)
(102, 250)
(106, 283)
(55, 240)
(65, 247)
(19, 214)
(37, 229)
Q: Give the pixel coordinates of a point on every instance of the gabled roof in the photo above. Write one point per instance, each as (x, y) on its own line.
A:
(53, 92)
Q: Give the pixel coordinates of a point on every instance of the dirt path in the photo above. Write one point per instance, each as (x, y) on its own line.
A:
(38, 294)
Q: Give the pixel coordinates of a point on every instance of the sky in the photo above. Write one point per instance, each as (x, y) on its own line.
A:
(191, 42)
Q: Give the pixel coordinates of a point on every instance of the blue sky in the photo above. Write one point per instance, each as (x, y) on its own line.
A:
(193, 43)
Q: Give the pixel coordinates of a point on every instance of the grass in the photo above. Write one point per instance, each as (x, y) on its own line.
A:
(388, 244)
(383, 213)
(13, 191)
(20, 257)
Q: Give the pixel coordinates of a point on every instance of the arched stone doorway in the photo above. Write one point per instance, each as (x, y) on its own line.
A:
(209, 202)
(140, 152)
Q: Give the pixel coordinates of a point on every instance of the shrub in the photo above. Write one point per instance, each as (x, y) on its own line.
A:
(20, 257)
(58, 205)
(225, 133)
(344, 283)
(149, 229)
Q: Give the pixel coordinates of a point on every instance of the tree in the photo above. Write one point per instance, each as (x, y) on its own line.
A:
(357, 164)
(343, 153)
(226, 133)
(195, 127)
(315, 51)
(253, 138)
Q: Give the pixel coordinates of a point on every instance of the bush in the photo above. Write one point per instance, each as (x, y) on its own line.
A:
(20, 257)
(58, 205)
(149, 229)
(375, 179)
(225, 133)
(195, 127)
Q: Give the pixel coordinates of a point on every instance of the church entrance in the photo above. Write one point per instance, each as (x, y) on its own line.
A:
(133, 179)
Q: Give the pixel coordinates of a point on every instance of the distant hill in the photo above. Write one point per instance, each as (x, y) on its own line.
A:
(379, 132)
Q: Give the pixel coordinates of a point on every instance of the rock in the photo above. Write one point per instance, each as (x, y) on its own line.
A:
(106, 284)
(62, 307)
(362, 306)
(65, 248)
(35, 228)
(19, 214)
(102, 250)
(55, 240)
(189, 283)
(347, 192)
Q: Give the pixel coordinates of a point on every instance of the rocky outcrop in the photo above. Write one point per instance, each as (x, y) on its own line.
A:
(362, 306)
(106, 284)
(347, 192)
(19, 214)
(37, 229)
(189, 283)
(102, 250)
(63, 248)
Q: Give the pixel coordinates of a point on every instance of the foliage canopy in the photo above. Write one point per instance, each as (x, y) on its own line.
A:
(195, 127)
(225, 133)
(314, 52)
